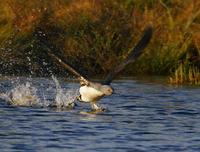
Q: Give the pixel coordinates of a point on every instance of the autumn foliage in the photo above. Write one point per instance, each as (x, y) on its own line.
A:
(95, 35)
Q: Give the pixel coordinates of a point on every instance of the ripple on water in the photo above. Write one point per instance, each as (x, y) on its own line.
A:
(140, 117)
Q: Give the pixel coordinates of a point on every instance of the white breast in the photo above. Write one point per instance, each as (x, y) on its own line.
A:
(89, 94)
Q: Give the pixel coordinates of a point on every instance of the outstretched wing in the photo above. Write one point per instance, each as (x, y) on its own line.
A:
(83, 81)
(133, 55)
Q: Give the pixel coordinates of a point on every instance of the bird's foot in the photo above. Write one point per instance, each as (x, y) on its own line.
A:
(97, 108)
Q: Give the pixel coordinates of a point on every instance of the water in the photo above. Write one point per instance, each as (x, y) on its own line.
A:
(141, 117)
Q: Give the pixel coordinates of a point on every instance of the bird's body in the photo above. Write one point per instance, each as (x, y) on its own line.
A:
(91, 92)
(88, 94)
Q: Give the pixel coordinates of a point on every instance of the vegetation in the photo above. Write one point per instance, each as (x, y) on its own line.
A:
(185, 73)
(98, 34)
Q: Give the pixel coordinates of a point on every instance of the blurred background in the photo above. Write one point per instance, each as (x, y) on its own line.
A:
(95, 35)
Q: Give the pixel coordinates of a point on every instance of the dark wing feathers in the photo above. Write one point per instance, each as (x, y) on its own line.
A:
(133, 55)
(83, 81)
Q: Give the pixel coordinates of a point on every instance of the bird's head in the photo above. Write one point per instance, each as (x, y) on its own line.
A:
(107, 90)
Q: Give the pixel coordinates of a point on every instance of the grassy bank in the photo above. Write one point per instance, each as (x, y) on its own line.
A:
(95, 35)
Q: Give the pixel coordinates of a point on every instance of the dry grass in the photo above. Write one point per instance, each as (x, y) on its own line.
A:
(98, 34)
(186, 74)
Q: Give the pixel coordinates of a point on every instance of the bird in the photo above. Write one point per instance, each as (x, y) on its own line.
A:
(91, 92)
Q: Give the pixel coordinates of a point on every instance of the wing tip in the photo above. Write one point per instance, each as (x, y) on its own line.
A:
(149, 30)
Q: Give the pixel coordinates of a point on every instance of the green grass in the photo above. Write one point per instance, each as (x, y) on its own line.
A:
(97, 34)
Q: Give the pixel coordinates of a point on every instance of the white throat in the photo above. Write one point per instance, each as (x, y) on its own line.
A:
(89, 94)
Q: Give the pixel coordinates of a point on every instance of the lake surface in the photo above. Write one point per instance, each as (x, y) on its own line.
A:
(142, 116)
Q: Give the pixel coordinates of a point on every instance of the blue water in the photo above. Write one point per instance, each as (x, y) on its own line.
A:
(141, 117)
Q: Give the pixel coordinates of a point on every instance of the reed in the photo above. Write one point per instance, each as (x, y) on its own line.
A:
(98, 34)
(186, 74)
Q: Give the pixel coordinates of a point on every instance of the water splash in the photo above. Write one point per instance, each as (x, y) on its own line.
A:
(64, 99)
(22, 95)
(26, 94)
